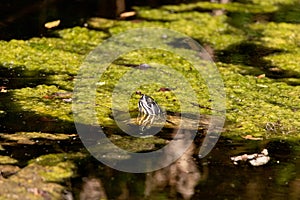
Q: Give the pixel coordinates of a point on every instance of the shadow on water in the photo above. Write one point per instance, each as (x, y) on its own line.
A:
(22, 20)
(26, 19)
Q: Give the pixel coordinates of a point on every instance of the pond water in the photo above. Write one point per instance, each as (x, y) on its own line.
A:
(214, 177)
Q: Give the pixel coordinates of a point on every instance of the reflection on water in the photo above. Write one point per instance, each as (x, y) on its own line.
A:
(92, 188)
(180, 177)
(145, 122)
(214, 177)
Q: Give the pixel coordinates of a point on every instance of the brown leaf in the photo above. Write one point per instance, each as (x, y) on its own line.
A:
(250, 137)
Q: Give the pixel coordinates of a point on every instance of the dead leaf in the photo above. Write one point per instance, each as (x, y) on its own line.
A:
(275, 69)
(52, 24)
(250, 137)
(3, 90)
(127, 14)
(261, 76)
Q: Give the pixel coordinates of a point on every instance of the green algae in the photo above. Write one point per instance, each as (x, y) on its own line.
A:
(38, 180)
(255, 102)
(133, 144)
(252, 102)
(283, 36)
(30, 137)
(7, 160)
(60, 55)
(59, 172)
(231, 7)
(168, 99)
(202, 27)
(273, 2)
(57, 167)
(27, 184)
(54, 159)
(38, 103)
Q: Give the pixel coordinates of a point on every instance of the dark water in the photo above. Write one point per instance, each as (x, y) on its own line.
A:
(214, 177)
(26, 19)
